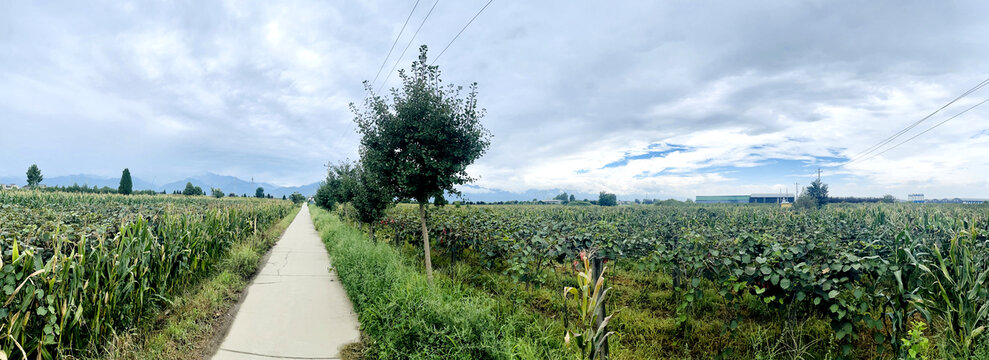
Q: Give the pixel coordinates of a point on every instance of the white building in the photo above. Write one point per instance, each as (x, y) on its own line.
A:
(9, 186)
(916, 198)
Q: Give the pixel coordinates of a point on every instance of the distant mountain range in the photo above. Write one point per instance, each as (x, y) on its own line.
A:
(232, 184)
(229, 184)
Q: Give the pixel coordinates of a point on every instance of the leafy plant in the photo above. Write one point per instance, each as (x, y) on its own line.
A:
(589, 335)
(916, 345)
(958, 297)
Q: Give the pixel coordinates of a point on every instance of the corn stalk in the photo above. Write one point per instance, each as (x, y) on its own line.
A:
(589, 335)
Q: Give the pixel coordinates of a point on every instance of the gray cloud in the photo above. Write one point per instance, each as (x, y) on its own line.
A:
(261, 90)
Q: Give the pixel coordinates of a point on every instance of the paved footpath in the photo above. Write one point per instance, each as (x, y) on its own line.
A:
(295, 308)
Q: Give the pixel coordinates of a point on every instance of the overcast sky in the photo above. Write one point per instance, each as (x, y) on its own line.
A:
(646, 98)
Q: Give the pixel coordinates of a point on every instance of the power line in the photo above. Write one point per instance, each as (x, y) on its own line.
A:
(461, 32)
(908, 128)
(396, 42)
(929, 129)
(407, 46)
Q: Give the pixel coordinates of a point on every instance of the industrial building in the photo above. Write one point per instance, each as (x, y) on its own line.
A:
(746, 199)
(915, 198)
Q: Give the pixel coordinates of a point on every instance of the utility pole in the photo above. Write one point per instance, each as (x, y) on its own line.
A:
(818, 174)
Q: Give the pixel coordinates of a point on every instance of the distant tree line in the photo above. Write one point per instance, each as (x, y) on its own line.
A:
(887, 199)
(76, 188)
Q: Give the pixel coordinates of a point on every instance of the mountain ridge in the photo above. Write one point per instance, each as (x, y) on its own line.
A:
(227, 183)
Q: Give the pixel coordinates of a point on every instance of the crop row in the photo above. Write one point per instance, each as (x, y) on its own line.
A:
(870, 269)
(78, 268)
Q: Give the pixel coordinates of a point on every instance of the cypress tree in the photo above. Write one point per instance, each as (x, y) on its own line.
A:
(126, 185)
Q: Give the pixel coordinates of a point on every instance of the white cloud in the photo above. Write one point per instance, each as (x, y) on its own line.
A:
(262, 90)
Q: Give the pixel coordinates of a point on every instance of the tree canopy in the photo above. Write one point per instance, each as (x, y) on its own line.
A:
(192, 190)
(371, 198)
(818, 191)
(423, 140)
(34, 176)
(259, 193)
(607, 199)
(126, 185)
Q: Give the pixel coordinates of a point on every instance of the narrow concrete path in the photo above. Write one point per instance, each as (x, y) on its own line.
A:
(295, 308)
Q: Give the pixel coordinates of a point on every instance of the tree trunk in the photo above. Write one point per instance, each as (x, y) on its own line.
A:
(425, 242)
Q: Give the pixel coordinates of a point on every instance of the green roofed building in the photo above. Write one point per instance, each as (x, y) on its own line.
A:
(723, 199)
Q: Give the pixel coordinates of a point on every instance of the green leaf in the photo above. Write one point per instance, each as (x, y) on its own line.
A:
(878, 337)
(785, 284)
(833, 294)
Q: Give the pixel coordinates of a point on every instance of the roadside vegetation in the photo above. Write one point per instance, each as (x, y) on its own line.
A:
(404, 317)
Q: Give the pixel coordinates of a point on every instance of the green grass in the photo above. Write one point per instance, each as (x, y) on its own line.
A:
(646, 319)
(185, 329)
(402, 316)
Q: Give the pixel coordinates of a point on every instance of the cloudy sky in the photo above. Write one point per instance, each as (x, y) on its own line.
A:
(645, 98)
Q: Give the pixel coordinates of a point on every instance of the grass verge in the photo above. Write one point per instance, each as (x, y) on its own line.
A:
(186, 329)
(404, 317)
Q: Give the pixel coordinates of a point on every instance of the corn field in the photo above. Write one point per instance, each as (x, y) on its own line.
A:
(78, 268)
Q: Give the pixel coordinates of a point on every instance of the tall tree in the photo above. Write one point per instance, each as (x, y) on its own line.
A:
(343, 181)
(192, 190)
(259, 193)
(34, 176)
(217, 192)
(371, 199)
(818, 191)
(126, 185)
(606, 199)
(324, 196)
(421, 143)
